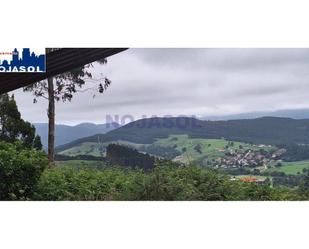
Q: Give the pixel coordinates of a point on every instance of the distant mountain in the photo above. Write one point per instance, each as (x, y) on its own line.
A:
(266, 130)
(66, 134)
(287, 113)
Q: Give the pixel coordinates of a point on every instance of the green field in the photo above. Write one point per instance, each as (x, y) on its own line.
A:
(87, 148)
(291, 168)
(210, 148)
(94, 149)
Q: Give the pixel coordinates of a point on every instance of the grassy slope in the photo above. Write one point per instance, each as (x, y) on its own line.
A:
(211, 152)
(181, 141)
(292, 168)
(87, 148)
(93, 149)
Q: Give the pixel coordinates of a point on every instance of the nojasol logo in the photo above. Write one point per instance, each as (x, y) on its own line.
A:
(22, 60)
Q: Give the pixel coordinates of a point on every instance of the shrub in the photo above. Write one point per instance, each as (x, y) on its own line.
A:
(87, 184)
(20, 170)
(167, 181)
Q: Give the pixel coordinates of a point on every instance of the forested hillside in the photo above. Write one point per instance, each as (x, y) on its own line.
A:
(267, 130)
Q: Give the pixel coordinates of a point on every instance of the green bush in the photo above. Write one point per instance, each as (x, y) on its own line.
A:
(86, 184)
(20, 170)
(167, 181)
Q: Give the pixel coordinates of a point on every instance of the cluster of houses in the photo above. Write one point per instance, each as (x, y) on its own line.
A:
(248, 158)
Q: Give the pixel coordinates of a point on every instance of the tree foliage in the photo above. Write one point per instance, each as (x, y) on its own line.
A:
(13, 127)
(295, 152)
(68, 83)
(198, 148)
(120, 155)
(167, 182)
(20, 170)
(303, 187)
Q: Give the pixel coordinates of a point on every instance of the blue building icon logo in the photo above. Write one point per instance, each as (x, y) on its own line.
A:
(26, 62)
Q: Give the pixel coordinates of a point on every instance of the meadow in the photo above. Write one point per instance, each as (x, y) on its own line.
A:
(210, 149)
(291, 168)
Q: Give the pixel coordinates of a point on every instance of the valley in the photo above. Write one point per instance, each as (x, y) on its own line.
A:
(220, 145)
(182, 148)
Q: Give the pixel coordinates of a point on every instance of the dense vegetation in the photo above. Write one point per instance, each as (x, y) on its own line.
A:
(21, 161)
(166, 181)
(127, 157)
(13, 127)
(20, 170)
(24, 176)
(126, 174)
(295, 152)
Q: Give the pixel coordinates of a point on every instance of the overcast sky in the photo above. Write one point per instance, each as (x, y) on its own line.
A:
(197, 82)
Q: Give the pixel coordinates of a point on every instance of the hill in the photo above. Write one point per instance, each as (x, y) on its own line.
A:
(66, 133)
(285, 113)
(266, 130)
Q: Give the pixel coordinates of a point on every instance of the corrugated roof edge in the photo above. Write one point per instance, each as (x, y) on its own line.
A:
(57, 62)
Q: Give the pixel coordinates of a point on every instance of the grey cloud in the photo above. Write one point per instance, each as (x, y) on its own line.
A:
(187, 81)
(242, 58)
(264, 91)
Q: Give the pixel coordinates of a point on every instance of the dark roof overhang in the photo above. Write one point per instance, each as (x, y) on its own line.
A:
(57, 62)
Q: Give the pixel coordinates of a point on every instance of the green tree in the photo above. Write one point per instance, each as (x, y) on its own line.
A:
(303, 187)
(230, 143)
(62, 87)
(20, 170)
(37, 143)
(278, 164)
(198, 148)
(13, 127)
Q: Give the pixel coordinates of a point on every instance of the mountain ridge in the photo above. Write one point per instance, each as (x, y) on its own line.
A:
(264, 130)
(301, 113)
(68, 133)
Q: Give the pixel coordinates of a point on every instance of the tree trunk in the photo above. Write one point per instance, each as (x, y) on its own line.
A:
(51, 121)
